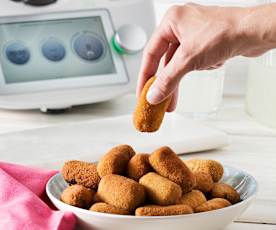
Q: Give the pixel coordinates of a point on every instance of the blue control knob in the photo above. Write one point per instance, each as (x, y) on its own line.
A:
(18, 53)
(53, 50)
(88, 47)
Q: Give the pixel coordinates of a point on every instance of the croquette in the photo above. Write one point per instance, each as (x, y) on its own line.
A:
(121, 192)
(82, 173)
(213, 204)
(148, 117)
(156, 184)
(166, 163)
(138, 166)
(107, 208)
(115, 160)
(160, 190)
(155, 210)
(222, 190)
(208, 166)
(204, 181)
(78, 196)
(193, 198)
(96, 198)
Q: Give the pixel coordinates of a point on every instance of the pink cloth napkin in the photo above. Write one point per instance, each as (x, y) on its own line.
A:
(22, 206)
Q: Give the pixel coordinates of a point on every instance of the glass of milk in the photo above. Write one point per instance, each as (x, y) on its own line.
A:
(200, 93)
(261, 89)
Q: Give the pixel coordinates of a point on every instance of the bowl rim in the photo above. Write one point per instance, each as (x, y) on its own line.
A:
(54, 200)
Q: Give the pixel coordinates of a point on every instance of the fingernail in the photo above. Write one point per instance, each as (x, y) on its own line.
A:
(153, 96)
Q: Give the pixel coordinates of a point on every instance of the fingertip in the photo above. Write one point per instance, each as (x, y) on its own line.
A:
(171, 108)
(153, 96)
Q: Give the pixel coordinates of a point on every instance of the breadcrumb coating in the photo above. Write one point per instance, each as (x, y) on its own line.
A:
(115, 160)
(78, 196)
(121, 192)
(167, 164)
(107, 208)
(148, 117)
(82, 173)
(160, 190)
(155, 210)
(222, 190)
(213, 204)
(138, 166)
(193, 198)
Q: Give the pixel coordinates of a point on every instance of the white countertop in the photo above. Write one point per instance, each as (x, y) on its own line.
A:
(253, 146)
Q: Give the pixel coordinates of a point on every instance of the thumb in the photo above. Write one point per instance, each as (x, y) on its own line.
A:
(161, 88)
(169, 78)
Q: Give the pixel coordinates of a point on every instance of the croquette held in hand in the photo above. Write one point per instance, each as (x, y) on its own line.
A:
(148, 117)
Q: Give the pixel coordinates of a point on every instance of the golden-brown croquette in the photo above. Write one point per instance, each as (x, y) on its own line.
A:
(121, 192)
(148, 117)
(208, 166)
(204, 181)
(222, 190)
(82, 173)
(155, 210)
(107, 208)
(193, 198)
(213, 204)
(160, 190)
(138, 166)
(115, 160)
(166, 163)
(78, 196)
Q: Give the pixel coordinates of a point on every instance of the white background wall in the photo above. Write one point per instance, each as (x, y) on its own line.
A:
(236, 69)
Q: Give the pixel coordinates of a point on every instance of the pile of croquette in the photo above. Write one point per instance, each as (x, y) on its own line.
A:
(156, 184)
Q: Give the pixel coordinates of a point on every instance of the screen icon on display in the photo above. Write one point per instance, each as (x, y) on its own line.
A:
(53, 50)
(18, 53)
(88, 47)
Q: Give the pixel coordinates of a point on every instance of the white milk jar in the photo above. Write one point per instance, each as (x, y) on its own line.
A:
(200, 93)
(261, 89)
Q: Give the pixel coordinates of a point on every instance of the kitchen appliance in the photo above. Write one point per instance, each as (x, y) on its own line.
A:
(71, 52)
(36, 2)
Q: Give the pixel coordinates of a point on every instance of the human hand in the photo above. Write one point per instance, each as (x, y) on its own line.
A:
(193, 37)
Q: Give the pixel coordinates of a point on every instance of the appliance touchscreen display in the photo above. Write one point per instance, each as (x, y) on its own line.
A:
(54, 49)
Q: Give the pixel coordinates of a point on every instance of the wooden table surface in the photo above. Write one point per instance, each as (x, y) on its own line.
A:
(252, 147)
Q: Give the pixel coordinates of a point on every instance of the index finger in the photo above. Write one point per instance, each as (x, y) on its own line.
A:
(155, 49)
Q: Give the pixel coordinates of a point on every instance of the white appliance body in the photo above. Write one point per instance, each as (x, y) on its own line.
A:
(139, 13)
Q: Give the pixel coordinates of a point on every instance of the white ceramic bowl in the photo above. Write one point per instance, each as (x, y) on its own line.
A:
(244, 183)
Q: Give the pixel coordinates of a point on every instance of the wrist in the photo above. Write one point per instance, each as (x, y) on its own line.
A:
(256, 26)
